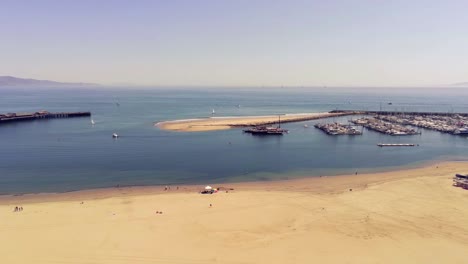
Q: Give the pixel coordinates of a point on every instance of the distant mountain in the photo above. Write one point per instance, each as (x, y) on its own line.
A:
(13, 81)
(463, 84)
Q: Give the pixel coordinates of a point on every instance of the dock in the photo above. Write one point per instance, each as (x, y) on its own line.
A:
(17, 117)
(335, 129)
(384, 127)
(396, 145)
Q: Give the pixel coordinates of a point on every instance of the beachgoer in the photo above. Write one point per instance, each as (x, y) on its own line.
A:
(211, 205)
(165, 188)
(16, 209)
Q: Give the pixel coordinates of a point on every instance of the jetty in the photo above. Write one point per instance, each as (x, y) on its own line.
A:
(17, 117)
(396, 113)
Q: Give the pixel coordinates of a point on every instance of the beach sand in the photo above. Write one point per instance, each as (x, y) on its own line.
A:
(222, 123)
(406, 216)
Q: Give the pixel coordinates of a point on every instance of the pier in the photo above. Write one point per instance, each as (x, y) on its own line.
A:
(16, 117)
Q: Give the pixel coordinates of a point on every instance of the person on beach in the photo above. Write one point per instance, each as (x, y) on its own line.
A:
(16, 209)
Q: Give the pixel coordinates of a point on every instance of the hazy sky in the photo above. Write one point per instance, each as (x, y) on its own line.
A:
(236, 43)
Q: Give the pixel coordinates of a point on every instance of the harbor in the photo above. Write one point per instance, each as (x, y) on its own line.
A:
(17, 117)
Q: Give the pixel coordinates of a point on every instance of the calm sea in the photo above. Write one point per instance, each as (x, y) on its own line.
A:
(61, 155)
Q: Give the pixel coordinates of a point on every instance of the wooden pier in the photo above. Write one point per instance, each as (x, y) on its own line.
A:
(16, 117)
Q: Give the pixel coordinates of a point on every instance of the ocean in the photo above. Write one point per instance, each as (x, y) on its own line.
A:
(60, 155)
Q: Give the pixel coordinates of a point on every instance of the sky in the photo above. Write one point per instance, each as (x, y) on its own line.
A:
(236, 42)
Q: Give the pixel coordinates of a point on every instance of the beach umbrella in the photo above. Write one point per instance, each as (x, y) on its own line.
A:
(208, 188)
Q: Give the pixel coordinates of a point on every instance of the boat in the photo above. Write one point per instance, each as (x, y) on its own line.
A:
(264, 130)
(306, 126)
(114, 135)
(213, 112)
(92, 122)
(461, 131)
(268, 131)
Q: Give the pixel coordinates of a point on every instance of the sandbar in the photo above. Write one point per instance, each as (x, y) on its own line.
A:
(223, 123)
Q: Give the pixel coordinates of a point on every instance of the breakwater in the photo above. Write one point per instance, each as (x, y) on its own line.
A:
(396, 113)
(16, 117)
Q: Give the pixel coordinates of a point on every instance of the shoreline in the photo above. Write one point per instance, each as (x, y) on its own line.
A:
(372, 177)
(389, 217)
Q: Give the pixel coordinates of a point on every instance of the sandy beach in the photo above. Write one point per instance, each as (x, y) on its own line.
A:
(222, 123)
(406, 216)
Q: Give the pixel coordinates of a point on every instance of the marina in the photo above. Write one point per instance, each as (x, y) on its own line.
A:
(454, 124)
(338, 129)
(384, 127)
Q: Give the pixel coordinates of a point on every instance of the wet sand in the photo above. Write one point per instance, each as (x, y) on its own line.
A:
(404, 216)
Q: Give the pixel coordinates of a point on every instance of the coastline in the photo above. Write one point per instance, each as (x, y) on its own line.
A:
(390, 217)
(369, 177)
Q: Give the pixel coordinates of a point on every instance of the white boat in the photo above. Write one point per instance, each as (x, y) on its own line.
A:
(306, 126)
(213, 112)
(114, 135)
(92, 122)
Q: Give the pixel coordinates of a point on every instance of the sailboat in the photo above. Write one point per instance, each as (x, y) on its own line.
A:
(114, 135)
(263, 130)
(213, 112)
(92, 122)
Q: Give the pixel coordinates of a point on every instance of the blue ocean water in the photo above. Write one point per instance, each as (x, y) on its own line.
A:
(61, 155)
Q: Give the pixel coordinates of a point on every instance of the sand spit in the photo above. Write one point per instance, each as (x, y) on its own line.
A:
(407, 216)
(222, 123)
